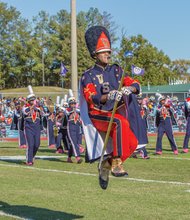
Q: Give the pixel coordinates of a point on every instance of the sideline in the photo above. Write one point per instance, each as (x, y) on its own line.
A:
(9, 139)
(95, 175)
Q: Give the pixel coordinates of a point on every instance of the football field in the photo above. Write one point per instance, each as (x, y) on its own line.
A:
(52, 189)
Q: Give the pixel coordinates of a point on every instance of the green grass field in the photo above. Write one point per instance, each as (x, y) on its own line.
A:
(39, 91)
(52, 189)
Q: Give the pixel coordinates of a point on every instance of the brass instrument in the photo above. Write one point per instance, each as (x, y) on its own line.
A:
(50, 106)
(12, 106)
(55, 131)
(55, 128)
(22, 103)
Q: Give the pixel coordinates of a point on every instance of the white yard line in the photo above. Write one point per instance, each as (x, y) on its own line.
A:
(91, 174)
(13, 216)
(170, 158)
(20, 157)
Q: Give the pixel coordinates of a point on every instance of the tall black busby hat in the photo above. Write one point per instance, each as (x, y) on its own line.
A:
(97, 40)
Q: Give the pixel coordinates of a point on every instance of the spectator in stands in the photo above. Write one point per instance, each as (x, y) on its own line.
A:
(9, 119)
(2, 125)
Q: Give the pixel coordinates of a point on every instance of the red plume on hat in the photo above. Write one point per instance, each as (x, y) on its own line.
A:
(97, 40)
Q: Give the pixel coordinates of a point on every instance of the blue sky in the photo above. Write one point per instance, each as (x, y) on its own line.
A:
(165, 23)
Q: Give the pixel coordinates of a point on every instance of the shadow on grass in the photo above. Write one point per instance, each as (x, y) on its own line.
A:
(34, 213)
(47, 150)
(7, 148)
(51, 159)
(23, 162)
(39, 157)
(163, 150)
(15, 161)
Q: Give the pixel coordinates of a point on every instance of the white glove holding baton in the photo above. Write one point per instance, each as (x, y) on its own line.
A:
(127, 90)
(115, 95)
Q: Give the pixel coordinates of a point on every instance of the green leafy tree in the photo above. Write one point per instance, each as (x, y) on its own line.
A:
(41, 34)
(14, 33)
(182, 69)
(31, 53)
(157, 65)
(84, 59)
(94, 17)
(59, 46)
(181, 66)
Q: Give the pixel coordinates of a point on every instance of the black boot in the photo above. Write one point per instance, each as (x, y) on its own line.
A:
(104, 174)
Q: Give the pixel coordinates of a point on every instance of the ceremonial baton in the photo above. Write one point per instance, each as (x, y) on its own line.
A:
(127, 54)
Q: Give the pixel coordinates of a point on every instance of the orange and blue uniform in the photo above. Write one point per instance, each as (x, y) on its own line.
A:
(187, 115)
(164, 122)
(32, 130)
(93, 83)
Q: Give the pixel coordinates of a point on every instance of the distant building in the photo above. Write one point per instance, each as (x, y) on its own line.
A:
(179, 90)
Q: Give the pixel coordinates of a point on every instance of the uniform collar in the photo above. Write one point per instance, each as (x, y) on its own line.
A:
(101, 68)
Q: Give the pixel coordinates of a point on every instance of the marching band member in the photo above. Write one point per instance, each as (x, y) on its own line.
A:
(187, 115)
(50, 122)
(151, 106)
(32, 127)
(17, 124)
(50, 131)
(74, 130)
(142, 130)
(60, 131)
(164, 121)
(99, 90)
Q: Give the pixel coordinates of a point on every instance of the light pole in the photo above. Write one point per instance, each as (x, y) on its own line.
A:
(74, 70)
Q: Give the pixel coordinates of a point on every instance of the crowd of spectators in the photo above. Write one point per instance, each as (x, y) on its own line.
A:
(7, 108)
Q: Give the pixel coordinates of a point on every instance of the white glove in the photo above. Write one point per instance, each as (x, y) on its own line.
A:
(126, 90)
(115, 95)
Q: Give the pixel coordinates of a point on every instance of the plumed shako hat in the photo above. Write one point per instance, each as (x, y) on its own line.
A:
(31, 96)
(161, 98)
(97, 40)
(72, 100)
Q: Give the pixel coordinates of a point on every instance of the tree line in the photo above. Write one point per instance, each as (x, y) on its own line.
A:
(31, 51)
